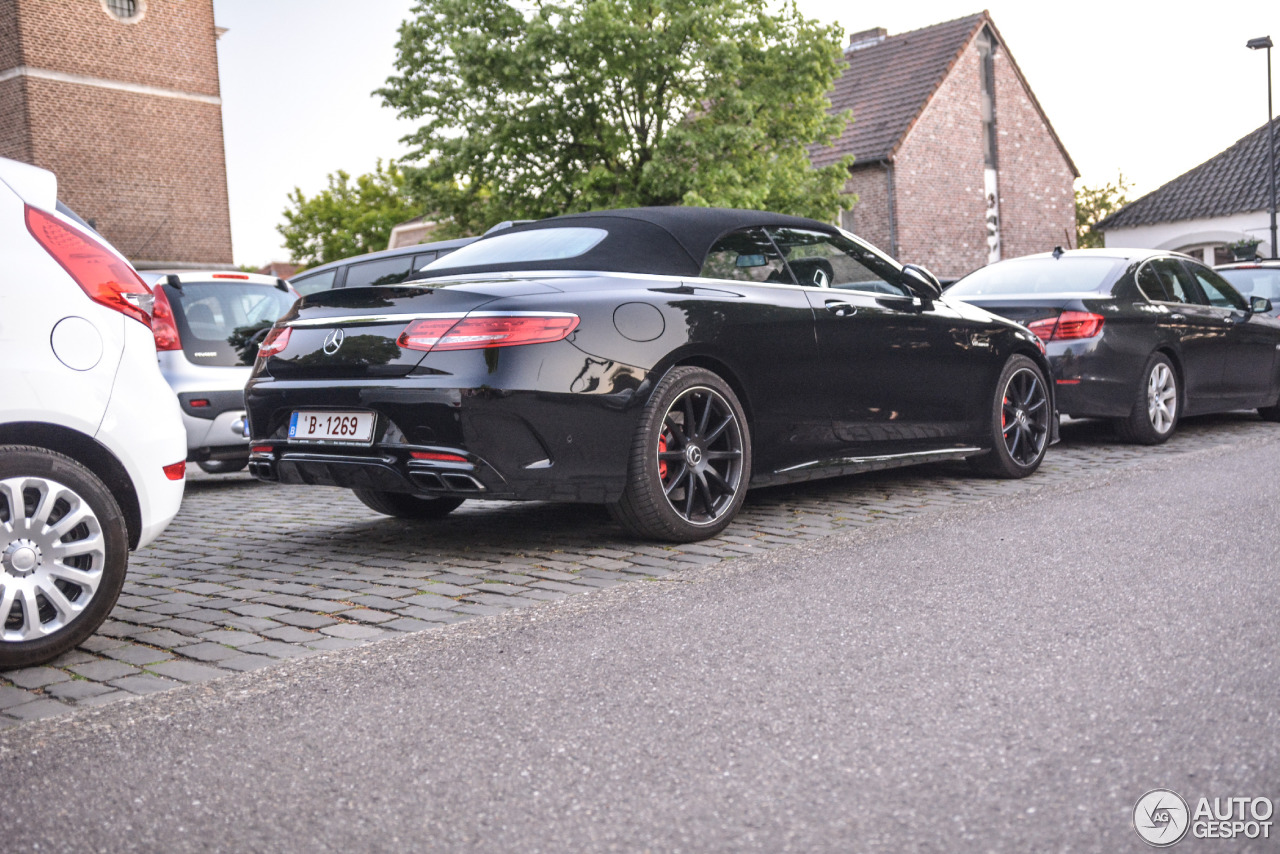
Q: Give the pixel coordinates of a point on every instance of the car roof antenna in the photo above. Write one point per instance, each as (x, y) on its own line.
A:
(1057, 252)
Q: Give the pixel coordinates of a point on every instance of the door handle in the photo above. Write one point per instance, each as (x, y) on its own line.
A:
(1177, 315)
(841, 309)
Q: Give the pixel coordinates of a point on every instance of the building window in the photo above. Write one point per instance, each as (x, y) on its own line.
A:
(125, 11)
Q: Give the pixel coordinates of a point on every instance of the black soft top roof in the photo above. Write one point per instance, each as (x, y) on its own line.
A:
(670, 241)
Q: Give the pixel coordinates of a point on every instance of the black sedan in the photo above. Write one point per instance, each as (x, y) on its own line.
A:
(1140, 336)
(657, 360)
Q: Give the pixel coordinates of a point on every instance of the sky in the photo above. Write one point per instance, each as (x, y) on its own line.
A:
(1149, 94)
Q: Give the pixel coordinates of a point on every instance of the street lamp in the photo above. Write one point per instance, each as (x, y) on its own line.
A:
(1257, 44)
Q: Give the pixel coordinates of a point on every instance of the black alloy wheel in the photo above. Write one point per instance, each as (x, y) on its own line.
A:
(690, 461)
(405, 506)
(64, 551)
(1020, 421)
(1156, 405)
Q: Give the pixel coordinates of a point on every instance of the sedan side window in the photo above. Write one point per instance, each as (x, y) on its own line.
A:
(1216, 290)
(1151, 285)
(1174, 279)
(314, 283)
(833, 261)
(746, 256)
(384, 271)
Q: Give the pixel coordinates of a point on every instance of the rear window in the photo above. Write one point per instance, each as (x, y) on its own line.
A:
(222, 323)
(543, 244)
(1255, 282)
(1022, 276)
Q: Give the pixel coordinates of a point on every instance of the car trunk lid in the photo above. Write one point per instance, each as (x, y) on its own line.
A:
(352, 333)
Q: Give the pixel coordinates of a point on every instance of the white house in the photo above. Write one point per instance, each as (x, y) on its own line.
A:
(1223, 200)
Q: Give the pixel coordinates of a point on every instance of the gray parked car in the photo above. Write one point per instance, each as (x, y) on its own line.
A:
(388, 267)
(207, 328)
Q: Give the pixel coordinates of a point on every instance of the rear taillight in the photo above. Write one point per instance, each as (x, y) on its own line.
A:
(100, 273)
(176, 471)
(1068, 325)
(275, 342)
(162, 325)
(482, 332)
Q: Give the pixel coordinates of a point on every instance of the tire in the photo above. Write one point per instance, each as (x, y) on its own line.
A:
(223, 466)
(56, 587)
(1270, 413)
(405, 506)
(1157, 404)
(1020, 422)
(685, 485)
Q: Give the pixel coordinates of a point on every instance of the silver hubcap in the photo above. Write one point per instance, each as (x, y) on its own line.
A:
(52, 553)
(1162, 398)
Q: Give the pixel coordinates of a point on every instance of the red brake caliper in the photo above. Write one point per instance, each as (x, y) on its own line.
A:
(1004, 418)
(662, 464)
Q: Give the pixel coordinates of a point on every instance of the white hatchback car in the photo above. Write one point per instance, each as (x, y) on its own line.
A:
(92, 450)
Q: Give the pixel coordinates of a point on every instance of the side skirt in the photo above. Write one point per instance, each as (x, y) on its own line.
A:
(857, 465)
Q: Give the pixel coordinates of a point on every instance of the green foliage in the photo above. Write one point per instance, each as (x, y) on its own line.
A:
(1093, 204)
(347, 218)
(587, 104)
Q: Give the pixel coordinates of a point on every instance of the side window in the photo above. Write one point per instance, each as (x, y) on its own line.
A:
(746, 256)
(833, 261)
(420, 261)
(1150, 284)
(307, 285)
(1216, 290)
(1174, 280)
(384, 271)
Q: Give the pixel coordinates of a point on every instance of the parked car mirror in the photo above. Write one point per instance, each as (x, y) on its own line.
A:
(924, 283)
(1259, 305)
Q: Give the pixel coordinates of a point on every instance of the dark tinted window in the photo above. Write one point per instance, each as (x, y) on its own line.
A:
(222, 323)
(818, 259)
(1067, 275)
(383, 271)
(1166, 280)
(1217, 291)
(746, 256)
(314, 283)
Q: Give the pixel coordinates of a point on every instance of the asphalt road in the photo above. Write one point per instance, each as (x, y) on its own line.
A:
(1007, 676)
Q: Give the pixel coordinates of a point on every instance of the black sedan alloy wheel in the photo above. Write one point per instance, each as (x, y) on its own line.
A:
(691, 460)
(1020, 422)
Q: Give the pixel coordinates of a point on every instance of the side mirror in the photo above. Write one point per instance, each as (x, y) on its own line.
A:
(922, 282)
(1259, 305)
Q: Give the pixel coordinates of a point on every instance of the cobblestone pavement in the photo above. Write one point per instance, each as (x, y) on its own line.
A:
(250, 573)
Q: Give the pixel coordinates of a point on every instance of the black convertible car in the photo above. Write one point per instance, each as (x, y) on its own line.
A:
(1140, 336)
(657, 360)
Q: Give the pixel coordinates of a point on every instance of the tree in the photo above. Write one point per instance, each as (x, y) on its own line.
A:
(532, 109)
(347, 218)
(1093, 204)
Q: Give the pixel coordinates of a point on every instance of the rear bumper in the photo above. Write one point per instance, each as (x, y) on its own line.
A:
(521, 445)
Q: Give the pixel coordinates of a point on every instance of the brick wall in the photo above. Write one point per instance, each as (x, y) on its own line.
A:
(10, 50)
(15, 141)
(1037, 195)
(149, 170)
(938, 177)
(869, 218)
(172, 46)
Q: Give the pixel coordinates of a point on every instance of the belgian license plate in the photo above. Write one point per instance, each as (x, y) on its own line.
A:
(354, 428)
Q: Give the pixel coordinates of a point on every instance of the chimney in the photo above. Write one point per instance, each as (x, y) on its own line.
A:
(866, 38)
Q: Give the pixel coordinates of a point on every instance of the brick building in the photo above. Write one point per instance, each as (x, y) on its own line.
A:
(956, 163)
(120, 99)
